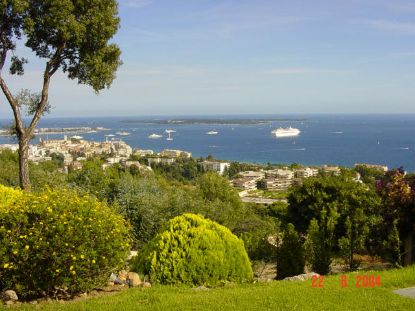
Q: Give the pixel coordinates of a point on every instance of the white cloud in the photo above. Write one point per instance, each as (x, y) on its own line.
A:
(286, 71)
(406, 28)
(136, 3)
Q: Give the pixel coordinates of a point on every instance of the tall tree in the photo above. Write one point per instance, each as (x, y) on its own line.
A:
(70, 35)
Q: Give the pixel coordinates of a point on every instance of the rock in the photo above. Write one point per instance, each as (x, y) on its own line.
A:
(200, 288)
(134, 279)
(123, 275)
(302, 277)
(10, 295)
(145, 285)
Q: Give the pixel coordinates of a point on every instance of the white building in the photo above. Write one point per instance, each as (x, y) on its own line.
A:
(306, 172)
(252, 174)
(280, 173)
(171, 153)
(245, 183)
(142, 152)
(215, 166)
(159, 160)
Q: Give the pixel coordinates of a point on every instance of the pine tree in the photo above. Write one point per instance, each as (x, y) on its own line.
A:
(290, 256)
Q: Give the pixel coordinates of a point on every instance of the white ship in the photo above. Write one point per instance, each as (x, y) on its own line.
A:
(286, 132)
(123, 133)
(212, 133)
(155, 136)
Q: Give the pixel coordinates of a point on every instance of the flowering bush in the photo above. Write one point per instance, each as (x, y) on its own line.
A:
(57, 241)
(193, 250)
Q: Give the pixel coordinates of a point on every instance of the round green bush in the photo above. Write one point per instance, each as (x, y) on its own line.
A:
(193, 250)
(56, 242)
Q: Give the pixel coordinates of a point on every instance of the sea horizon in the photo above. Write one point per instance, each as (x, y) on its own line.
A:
(332, 139)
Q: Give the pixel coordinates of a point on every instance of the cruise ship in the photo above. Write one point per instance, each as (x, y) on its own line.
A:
(286, 132)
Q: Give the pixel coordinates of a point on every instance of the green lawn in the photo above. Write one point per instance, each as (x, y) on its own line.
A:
(279, 295)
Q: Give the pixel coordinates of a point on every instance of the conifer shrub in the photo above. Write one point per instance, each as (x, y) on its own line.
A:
(290, 256)
(56, 242)
(193, 250)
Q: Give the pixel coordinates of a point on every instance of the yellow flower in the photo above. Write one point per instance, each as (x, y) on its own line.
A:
(93, 260)
(15, 252)
(70, 268)
(27, 247)
(6, 265)
(73, 272)
(82, 256)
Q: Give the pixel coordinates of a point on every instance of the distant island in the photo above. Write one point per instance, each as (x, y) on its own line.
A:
(211, 121)
(64, 130)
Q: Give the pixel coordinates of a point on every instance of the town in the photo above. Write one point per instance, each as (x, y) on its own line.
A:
(261, 186)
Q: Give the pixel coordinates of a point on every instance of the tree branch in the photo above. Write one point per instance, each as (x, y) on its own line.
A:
(3, 53)
(51, 67)
(15, 107)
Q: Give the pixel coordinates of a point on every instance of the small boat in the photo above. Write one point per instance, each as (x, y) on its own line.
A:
(169, 133)
(155, 136)
(110, 135)
(123, 133)
(212, 133)
(77, 137)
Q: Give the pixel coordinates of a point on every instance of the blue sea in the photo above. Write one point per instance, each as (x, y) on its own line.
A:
(325, 139)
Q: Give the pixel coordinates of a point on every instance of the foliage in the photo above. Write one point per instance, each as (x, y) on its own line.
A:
(290, 255)
(73, 36)
(194, 251)
(183, 170)
(369, 174)
(354, 205)
(213, 187)
(148, 203)
(9, 168)
(261, 184)
(94, 180)
(319, 243)
(44, 174)
(56, 241)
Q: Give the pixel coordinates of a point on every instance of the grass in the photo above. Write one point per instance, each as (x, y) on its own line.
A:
(277, 295)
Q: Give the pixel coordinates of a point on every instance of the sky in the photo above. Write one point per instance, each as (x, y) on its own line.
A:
(195, 57)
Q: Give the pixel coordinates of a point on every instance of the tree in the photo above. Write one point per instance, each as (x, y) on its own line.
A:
(70, 35)
(320, 241)
(213, 187)
(261, 184)
(398, 214)
(354, 206)
(290, 256)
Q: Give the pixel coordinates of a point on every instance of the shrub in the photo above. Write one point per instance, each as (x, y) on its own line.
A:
(193, 250)
(318, 249)
(56, 241)
(290, 256)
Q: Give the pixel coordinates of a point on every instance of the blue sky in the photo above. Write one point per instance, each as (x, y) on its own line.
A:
(266, 57)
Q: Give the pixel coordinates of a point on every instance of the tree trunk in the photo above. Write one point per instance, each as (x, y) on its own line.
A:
(351, 264)
(24, 178)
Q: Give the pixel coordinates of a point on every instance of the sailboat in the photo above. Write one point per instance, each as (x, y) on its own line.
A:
(169, 134)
